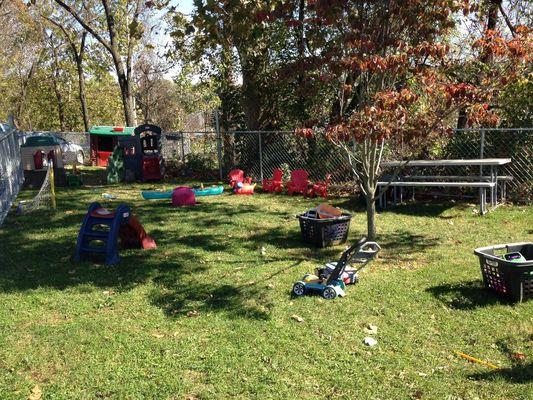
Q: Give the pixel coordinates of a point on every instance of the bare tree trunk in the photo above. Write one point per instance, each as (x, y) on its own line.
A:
(251, 97)
(81, 84)
(492, 20)
(370, 216)
(57, 89)
(24, 90)
(123, 70)
(126, 93)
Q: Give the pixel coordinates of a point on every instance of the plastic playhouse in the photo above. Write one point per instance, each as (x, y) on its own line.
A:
(102, 228)
(103, 140)
(136, 156)
(36, 154)
(151, 155)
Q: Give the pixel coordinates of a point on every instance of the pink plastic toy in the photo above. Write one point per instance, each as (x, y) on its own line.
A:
(183, 196)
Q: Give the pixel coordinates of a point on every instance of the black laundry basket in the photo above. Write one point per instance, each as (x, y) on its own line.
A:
(513, 280)
(325, 232)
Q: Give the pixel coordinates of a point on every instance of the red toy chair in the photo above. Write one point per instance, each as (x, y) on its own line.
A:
(275, 184)
(237, 175)
(299, 182)
(320, 188)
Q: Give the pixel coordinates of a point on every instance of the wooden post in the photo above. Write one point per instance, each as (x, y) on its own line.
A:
(52, 185)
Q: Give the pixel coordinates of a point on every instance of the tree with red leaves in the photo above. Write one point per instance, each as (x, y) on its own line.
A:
(391, 63)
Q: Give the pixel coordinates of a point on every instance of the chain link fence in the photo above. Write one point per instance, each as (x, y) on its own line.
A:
(11, 174)
(258, 153)
(516, 144)
(205, 154)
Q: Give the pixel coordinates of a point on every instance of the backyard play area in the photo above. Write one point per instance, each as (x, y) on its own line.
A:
(209, 312)
(268, 199)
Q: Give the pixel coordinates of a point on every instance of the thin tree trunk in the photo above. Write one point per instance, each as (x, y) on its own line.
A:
(123, 70)
(370, 216)
(57, 89)
(492, 20)
(125, 90)
(24, 90)
(251, 97)
(81, 83)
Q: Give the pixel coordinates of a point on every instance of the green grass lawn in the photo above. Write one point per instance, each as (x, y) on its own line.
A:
(208, 316)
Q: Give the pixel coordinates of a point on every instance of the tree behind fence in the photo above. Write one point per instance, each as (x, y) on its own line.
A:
(258, 153)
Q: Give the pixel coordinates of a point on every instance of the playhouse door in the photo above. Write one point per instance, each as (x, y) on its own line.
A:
(104, 150)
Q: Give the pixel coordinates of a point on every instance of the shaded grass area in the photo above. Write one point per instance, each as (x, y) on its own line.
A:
(209, 315)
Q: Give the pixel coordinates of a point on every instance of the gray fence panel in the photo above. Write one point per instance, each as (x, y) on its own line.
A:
(11, 173)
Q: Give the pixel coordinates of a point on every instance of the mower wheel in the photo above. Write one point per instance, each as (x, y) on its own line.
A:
(329, 293)
(298, 289)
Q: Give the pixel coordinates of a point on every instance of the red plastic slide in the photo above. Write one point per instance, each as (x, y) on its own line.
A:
(133, 235)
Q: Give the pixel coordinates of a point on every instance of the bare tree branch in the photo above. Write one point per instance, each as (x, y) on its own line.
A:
(507, 21)
(87, 27)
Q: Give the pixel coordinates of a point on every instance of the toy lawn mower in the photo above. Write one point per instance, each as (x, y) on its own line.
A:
(331, 280)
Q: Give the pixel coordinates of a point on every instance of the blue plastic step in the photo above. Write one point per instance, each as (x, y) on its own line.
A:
(96, 234)
(93, 250)
(109, 239)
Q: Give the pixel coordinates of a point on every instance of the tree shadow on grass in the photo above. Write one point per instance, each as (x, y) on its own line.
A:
(466, 295)
(520, 373)
(425, 208)
(405, 245)
(186, 296)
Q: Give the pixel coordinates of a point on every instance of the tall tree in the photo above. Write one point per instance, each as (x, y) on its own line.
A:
(109, 36)
(392, 66)
(77, 51)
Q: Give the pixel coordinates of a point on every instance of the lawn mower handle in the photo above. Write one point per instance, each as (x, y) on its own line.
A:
(341, 264)
(360, 243)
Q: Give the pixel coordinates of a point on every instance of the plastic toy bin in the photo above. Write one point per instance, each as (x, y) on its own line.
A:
(325, 232)
(512, 279)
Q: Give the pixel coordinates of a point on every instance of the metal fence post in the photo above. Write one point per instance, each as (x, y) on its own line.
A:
(219, 145)
(481, 149)
(260, 156)
(182, 148)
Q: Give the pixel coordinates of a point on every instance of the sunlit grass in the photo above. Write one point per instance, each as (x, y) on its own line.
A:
(207, 315)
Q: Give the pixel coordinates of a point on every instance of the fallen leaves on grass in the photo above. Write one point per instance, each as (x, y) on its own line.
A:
(517, 356)
(297, 318)
(371, 329)
(36, 393)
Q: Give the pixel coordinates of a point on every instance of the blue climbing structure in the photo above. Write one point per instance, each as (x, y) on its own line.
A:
(99, 232)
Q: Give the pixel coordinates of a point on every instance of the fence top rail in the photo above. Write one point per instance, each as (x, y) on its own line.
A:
(230, 132)
(7, 134)
(447, 163)
(492, 129)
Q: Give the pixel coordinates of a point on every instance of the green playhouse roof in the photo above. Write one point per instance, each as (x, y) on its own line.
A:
(41, 140)
(112, 130)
